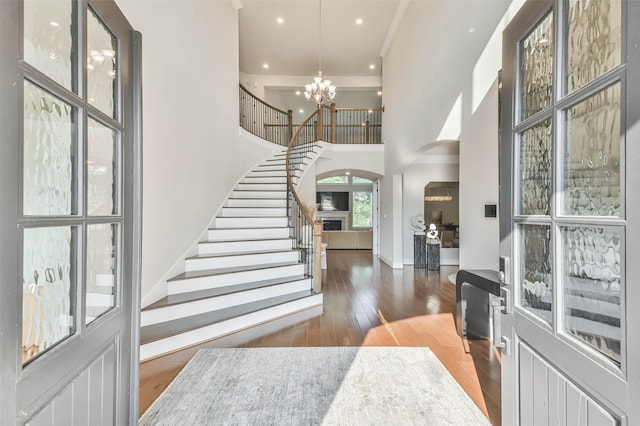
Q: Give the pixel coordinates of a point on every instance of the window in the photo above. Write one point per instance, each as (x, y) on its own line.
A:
(357, 179)
(334, 179)
(361, 205)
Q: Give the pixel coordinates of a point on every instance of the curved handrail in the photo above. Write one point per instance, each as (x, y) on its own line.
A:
(303, 208)
(305, 231)
(264, 120)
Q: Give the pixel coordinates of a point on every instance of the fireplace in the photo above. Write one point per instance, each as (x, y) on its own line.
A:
(332, 224)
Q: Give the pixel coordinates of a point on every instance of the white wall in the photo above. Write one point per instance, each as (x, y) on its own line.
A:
(479, 178)
(415, 178)
(438, 83)
(353, 158)
(192, 151)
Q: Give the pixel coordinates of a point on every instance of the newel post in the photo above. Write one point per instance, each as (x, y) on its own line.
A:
(320, 124)
(290, 124)
(317, 256)
(334, 114)
(367, 131)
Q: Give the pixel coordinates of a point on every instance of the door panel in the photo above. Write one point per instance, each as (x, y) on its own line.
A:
(70, 217)
(87, 400)
(569, 215)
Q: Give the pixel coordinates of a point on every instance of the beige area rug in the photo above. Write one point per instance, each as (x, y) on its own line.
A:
(314, 386)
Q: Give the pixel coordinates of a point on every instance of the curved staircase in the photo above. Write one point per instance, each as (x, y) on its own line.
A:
(245, 273)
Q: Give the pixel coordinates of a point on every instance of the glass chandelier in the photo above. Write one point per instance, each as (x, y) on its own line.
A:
(320, 91)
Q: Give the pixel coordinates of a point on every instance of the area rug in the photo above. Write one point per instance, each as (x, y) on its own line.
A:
(314, 386)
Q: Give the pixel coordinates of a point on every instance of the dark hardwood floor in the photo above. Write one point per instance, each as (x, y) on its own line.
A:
(366, 303)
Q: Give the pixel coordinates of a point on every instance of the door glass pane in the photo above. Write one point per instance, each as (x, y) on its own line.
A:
(101, 169)
(361, 209)
(49, 154)
(535, 170)
(536, 69)
(592, 279)
(594, 40)
(48, 287)
(536, 287)
(101, 66)
(49, 42)
(101, 268)
(592, 167)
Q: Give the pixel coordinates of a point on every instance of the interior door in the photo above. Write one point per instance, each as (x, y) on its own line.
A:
(570, 214)
(70, 216)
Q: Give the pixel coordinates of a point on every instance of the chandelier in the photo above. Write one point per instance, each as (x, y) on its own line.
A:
(320, 91)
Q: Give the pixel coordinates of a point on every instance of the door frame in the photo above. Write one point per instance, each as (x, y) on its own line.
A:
(11, 87)
(615, 387)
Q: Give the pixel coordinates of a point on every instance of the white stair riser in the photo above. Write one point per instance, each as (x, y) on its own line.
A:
(240, 260)
(270, 167)
(265, 179)
(159, 347)
(261, 202)
(244, 246)
(253, 222)
(232, 278)
(197, 307)
(246, 234)
(262, 187)
(268, 173)
(259, 194)
(252, 212)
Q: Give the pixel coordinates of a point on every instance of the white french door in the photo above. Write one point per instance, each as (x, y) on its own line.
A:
(70, 217)
(570, 214)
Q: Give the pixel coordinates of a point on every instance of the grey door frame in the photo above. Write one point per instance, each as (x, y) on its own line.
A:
(14, 380)
(619, 389)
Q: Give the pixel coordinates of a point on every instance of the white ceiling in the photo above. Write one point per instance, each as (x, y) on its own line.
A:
(291, 48)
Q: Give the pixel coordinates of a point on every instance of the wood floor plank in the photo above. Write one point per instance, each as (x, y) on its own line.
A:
(366, 303)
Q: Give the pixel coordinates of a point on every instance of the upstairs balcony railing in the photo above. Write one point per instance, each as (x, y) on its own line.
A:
(329, 124)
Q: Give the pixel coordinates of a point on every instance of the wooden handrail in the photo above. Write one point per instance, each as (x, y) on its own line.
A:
(262, 119)
(303, 208)
(263, 102)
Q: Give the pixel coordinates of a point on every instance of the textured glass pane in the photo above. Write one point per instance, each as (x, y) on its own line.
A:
(101, 66)
(48, 286)
(594, 40)
(592, 168)
(535, 170)
(101, 265)
(592, 280)
(101, 169)
(49, 154)
(536, 288)
(49, 44)
(536, 69)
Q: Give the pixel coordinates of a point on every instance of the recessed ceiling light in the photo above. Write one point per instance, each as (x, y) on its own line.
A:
(54, 24)
(372, 67)
(297, 93)
(370, 111)
(379, 93)
(280, 20)
(359, 21)
(472, 30)
(265, 66)
(301, 111)
(347, 173)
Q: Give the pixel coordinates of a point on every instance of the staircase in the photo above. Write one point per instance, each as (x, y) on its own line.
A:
(245, 273)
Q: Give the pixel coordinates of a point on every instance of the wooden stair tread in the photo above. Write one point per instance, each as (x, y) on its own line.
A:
(221, 271)
(166, 329)
(178, 299)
